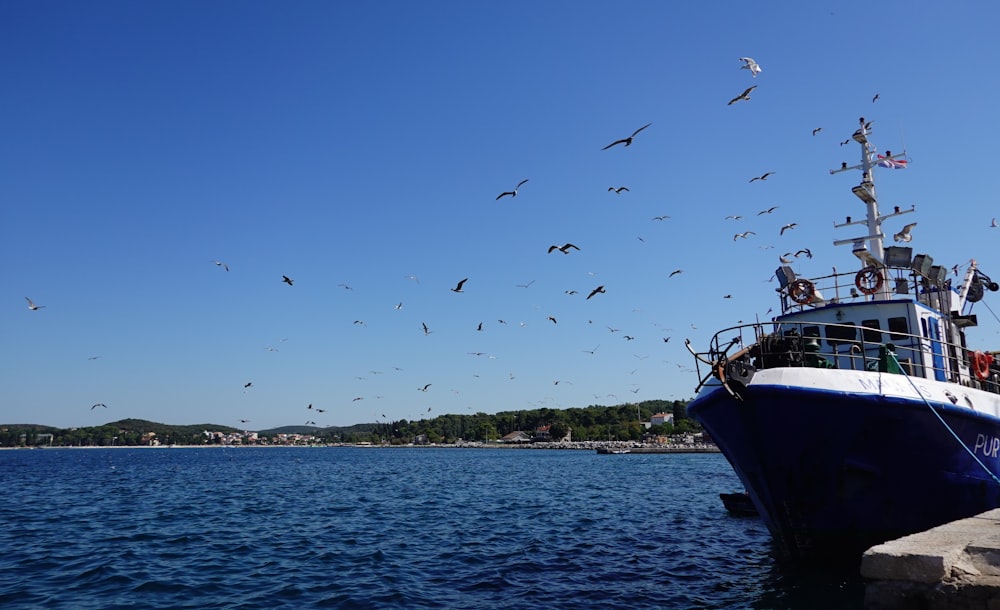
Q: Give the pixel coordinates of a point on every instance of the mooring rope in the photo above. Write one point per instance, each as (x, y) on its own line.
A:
(941, 419)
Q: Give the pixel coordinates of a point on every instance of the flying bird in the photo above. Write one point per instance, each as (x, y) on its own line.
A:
(552, 318)
(599, 289)
(904, 233)
(733, 217)
(784, 259)
(424, 389)
(743, 96)
(427, 331)
(221, 264)
(675, 272)
(994, 224)
(32, 306)
(805, 251)
(248, 384)
(618, 191)
(564, 248)
(768, 210)
(744, 235)
(790, 225)
(627, 141)
(458, 287)
(761, 177)
(750, 64)
(817, 130)
(875, 98)
(100, 404)
(660, 217)
(287, 280)
(512, 193)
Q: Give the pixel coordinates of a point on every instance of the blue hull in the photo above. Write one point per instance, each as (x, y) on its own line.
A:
(833, 473)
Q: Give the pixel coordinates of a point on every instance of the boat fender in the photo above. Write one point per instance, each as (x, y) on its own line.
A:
(801, 291)
(869, 280)
(981, 362)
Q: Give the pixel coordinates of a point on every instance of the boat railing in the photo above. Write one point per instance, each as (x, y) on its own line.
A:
(766, 345)
(921, 281)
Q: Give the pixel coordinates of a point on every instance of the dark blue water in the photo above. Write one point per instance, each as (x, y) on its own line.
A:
(386, 528)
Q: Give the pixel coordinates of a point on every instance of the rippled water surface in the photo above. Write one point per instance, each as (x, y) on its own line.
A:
(385, 528)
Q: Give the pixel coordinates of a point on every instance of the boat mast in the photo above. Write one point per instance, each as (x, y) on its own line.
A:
(871, 254)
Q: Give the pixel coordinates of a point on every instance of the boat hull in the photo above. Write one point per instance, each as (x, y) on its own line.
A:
(833, 473)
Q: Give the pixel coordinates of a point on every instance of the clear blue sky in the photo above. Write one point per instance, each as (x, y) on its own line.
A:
(352, 145)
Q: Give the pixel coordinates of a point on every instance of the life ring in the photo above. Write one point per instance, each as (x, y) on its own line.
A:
(801, 291)
(980, 363)
(869, 280)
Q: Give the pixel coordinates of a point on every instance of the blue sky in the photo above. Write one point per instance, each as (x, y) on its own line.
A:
(355, 146)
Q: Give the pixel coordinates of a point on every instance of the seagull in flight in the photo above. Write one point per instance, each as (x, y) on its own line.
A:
(458, 288)
(512, 193)
(100, 404)
(221, 264)
(424, 389)
(675, 272)
(761, 177)
(904, 233)
(287, 280)
(743, 96)
(875, 98)
(790, 225)
(564, 248)
(660, 217)
(427, 331)
(733, 217)
(627, 141)
(994, 224)
(618, 191)
(32, 306)
(768, 210)
(805, 251)
(817, 130)
(599, 289)
(750, 64)
(744, 235)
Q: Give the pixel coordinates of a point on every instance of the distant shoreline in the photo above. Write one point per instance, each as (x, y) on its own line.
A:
(568, 446)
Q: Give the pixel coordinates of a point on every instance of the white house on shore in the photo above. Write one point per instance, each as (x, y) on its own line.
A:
(660, 419)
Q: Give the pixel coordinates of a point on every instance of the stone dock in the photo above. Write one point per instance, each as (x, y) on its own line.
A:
(955, 566)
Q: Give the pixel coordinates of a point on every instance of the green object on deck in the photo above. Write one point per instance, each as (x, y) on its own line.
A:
(812, 358)
(887, 362)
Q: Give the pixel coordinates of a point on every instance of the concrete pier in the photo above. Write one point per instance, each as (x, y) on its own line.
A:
(955, 566)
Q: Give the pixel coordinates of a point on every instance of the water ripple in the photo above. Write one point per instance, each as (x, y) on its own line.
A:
(402, 528)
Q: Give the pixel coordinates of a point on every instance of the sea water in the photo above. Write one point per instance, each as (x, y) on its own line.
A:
(346, 527)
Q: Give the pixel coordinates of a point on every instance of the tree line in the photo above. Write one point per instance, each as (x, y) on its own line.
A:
(596, 423)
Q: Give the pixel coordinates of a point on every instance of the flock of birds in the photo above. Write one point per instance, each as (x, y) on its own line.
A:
(904, 235)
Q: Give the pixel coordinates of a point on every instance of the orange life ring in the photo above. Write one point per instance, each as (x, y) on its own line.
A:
(869, 280)
(801, 291)
(980, 363)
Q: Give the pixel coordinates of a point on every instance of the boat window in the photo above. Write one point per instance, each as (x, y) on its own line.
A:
(810, 331)
(846, 332)
(871, 331)
(898, 328)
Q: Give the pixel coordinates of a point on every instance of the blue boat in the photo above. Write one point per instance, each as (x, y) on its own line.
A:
(859, 414)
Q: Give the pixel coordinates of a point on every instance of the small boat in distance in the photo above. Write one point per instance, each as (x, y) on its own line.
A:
(613, 450)
(860, 413)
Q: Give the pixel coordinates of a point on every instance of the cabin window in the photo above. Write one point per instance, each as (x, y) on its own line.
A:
(810, 331)
(898, 328)
(871, 332)
(845, 333)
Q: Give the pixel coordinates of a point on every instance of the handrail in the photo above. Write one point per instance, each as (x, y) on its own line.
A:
(787, 344)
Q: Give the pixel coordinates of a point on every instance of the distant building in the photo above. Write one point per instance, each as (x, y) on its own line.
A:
(543, 433)
(661, 419)
(516, 437)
